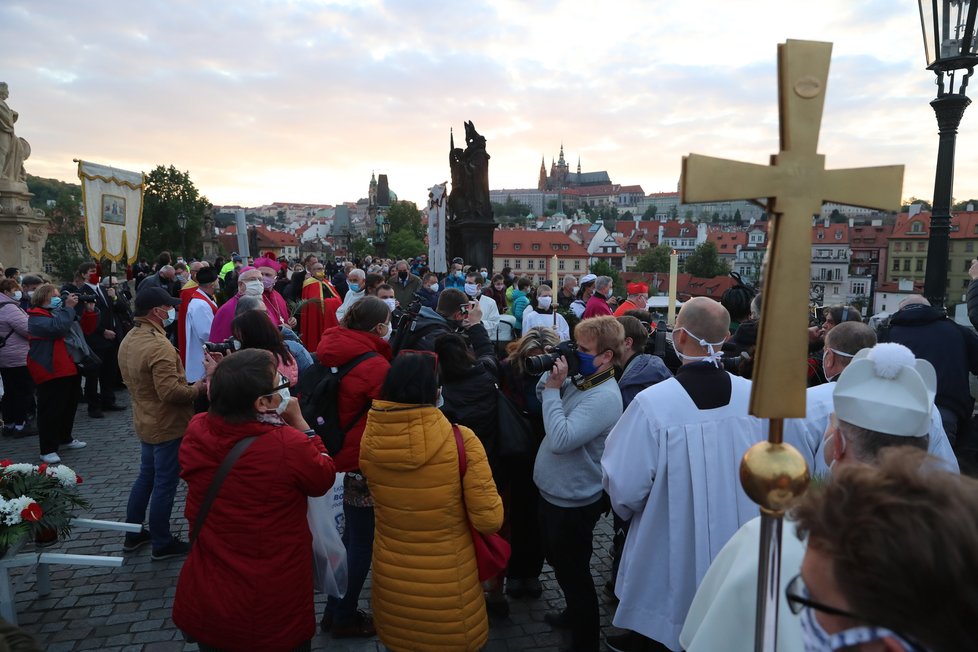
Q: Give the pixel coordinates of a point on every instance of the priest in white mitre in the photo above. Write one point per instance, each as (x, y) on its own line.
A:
(200, 317)
(842, 343)
(671, 465)
(884, 398)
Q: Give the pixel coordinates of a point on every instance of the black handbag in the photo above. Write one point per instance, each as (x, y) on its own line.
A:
(516, 436)
(90, 364)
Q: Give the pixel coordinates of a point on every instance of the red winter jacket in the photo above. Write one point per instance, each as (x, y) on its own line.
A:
(48, 357)
(247, 583)
(359, 387)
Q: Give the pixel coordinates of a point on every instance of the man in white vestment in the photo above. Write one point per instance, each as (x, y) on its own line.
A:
(671, 466)
(490, 311)
(883, 399)
(842, 343)
(200, 315)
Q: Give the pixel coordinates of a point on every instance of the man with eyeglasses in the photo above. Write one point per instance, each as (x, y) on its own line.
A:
(833, 316)
(883, 400)
(890, 563)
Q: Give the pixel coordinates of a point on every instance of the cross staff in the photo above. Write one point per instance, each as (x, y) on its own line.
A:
(796, 184)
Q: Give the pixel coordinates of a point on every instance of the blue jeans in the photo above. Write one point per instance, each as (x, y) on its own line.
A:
(358, 537)
(155, 487)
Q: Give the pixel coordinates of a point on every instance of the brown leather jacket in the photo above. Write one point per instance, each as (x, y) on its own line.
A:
(162, 401)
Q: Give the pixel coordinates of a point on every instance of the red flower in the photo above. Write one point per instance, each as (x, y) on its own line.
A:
(5, 463)
(78, 479)
(32, 512)
(41, 469)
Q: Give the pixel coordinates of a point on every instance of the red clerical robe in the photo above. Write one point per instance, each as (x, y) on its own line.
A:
(186, 294)
(319, 313)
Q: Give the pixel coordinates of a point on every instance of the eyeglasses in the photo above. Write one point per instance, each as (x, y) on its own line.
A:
(798, 597)
(283, 383)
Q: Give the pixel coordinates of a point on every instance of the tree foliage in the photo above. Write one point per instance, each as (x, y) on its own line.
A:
(602, 268)
(963, 205)
(170, 192)
(404, 216)
(45, 190)
(924, 204)
(656, 259)
(65, 247)
(649, 213)
(510, 208)
(705, 262)
(404, 244)
(361, 247)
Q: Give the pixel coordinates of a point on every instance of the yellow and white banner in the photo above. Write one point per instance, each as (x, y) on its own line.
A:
(113, 201)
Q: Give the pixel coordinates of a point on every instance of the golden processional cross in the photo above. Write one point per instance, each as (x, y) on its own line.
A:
(795, 184)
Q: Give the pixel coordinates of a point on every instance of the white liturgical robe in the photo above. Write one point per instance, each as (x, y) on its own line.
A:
(819, 409)
(200, 314)
(673, 470)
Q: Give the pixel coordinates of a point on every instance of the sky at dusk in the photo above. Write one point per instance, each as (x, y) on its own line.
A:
(265, 100)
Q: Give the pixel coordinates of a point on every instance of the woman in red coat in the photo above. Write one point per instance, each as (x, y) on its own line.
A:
(365, 329)
(247, 583)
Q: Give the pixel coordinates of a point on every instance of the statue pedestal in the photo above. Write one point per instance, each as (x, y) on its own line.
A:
(472, 241)
(23, 230)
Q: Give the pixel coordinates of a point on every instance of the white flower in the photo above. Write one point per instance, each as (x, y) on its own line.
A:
(63, 474)
(10, 509)
(24, 469)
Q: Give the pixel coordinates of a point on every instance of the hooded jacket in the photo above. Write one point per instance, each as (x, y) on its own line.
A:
(643, 370)
(951, 348)
(13, 326)
(48, 357)
(520, 303)
(359, 387)
(426, 591)
(247, 583)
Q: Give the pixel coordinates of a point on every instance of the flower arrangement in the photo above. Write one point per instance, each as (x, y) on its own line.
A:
(36, 500)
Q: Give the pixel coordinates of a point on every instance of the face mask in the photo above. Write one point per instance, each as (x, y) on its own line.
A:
(354, 287)
(30, 294)
(55, 303)
(181, 278)
(714, 352)
(387, 336)
(587, 363)
(18, 295)
(171, 315)
(402, 275)
(544, 302)
(391, 303)
(254, 288)
(319, 274)
(433, 287)
(267, 283)
(484, 274)
(500, 286)
(575, 289)
(471, 289)
(816, 639)
(458, 274)
(284, 403)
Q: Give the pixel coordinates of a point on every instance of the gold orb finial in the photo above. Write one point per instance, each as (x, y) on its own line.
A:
(774, 475)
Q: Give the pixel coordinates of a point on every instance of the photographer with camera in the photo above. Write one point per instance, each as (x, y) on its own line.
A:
(455, 314)
(581, 404)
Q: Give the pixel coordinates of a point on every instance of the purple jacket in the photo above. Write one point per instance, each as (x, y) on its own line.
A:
(13, 320)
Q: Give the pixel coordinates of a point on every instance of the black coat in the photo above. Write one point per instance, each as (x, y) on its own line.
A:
(470, 400)
(950, 347)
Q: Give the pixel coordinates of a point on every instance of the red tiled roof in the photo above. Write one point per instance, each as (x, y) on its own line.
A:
(963, 225)
(686, 285)
(674, 228)
(595, 191)
(868, 237)
(830, 234)
(631, 189)
(727, 241)
(504, 243)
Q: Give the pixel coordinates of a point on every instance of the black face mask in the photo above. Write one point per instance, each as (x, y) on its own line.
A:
(402, 275)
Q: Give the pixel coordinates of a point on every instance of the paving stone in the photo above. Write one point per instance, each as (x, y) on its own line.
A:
(129, 608)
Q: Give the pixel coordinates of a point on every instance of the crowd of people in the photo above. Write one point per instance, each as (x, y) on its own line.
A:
(625, 419)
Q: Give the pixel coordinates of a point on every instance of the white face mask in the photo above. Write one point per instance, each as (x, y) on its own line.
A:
(575, 290)
(254, 288)
(30, 294)
(284, 404)
(433, 287)
(387, 335)
(544, 302)
(18, 295)
(471, 289)
(391, 303)
(171, 315)
(715, 353)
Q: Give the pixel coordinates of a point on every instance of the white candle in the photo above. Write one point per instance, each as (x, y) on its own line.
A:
(673, 281)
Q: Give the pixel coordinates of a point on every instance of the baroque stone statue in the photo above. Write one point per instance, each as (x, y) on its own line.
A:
(469, 199)
(13, 150)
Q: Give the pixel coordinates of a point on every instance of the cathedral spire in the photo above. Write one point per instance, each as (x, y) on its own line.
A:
(560, 160)
(578, 165)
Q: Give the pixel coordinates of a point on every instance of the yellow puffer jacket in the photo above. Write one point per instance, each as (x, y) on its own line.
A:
(426, 591)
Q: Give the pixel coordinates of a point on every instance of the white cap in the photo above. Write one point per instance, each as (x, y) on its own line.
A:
(588, 278)
(885, 389)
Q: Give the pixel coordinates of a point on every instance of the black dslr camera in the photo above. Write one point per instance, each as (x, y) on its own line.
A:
(87, 297)
(230, 345)
(537, 364)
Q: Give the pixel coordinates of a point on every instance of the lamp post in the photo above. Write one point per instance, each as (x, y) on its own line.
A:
(949, 45)
(182, 223)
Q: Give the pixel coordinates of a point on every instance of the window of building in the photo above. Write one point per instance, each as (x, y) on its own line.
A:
(519, 263)
(920, 265)
(536, 246)
(859, 288)
(838, 235)
(820, 235)
(560, 265)
(517, 246)
(529, 264)
(577, 265)
(505, 262)
(969, 246)
(906, 265)
(916, 227)
(922, 245)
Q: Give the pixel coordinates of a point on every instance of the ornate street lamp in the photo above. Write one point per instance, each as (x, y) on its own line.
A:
(949, 45)
(182, 223)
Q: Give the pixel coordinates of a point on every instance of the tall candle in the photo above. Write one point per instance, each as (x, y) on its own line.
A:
(553, 274)
(673, 281)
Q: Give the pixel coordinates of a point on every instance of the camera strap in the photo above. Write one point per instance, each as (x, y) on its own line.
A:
(595, 379)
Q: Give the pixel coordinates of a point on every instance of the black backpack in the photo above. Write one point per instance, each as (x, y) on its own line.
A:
(318, 390)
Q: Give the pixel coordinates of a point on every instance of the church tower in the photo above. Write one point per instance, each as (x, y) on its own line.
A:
(372, 192)
(562, 170)
(542, 183)
(578, 166)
